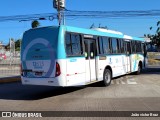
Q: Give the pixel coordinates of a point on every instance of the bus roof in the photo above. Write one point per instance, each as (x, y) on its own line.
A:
(98, 32)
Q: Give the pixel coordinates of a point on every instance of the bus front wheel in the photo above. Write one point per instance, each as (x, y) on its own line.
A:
(107, 77)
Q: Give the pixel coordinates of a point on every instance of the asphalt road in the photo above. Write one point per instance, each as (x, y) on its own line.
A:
(126, 93)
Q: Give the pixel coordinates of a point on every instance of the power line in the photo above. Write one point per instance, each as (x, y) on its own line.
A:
(113, 13)
(29, 17)
(73, 14)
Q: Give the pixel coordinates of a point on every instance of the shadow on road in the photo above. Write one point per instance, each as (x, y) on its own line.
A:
(17, 91)
(151, 70)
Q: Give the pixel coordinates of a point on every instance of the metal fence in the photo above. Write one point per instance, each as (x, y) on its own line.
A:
(9, 64)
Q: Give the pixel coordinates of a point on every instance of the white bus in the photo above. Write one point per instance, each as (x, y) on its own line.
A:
(71, 56)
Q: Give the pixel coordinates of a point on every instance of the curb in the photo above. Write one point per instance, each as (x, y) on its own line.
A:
(10, 79)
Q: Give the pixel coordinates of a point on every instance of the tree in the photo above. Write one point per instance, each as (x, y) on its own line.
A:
(155, 39)
(35, 24)
(18, 44)
(7, 47)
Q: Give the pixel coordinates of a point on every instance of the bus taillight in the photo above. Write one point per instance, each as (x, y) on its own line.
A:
(58, 70)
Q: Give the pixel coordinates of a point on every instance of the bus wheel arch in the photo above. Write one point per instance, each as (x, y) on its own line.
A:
(140, 65)
(107, 76)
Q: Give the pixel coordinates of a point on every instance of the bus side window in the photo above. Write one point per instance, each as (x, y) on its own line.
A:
(73, 44)
(138, 46)
(106, 48)
(76, 44)
(104, 45)
(122, 46)
(118, 45)
(127, 47)
(68, 44)
(133, 46)
(114, 46)
(100, 45)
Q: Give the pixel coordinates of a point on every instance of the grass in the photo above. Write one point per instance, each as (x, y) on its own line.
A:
(152, 58)
(153, 62)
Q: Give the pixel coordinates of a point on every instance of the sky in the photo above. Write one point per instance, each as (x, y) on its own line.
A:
(130, 26)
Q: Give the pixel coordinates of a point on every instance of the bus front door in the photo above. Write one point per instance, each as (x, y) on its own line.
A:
(128, 56)
(90, 62)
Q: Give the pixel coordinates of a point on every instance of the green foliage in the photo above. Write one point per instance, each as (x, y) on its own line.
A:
(18, 44)
(35, 24)
(155, 39)
(150, 28)
(158, 30)
(158, 23)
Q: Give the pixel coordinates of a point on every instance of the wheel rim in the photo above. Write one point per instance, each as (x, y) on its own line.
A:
(107, 77)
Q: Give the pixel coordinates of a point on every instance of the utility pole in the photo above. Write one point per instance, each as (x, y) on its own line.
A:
(60, 6)
(12, 50)
(59, 13)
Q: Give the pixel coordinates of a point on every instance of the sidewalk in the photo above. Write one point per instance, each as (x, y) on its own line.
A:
(153, 66)
(9, 73)
(10, 79)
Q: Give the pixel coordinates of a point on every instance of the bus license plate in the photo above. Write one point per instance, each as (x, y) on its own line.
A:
(38, 73)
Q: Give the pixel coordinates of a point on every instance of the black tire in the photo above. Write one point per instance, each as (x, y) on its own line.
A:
(107, 77)
(139, 70)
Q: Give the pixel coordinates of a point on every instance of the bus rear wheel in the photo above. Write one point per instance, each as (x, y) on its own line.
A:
(139, 70)
(107, 77)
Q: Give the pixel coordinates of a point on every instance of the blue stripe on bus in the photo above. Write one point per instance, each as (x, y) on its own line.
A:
(135, 64)
(138, 39)
(61, 44)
